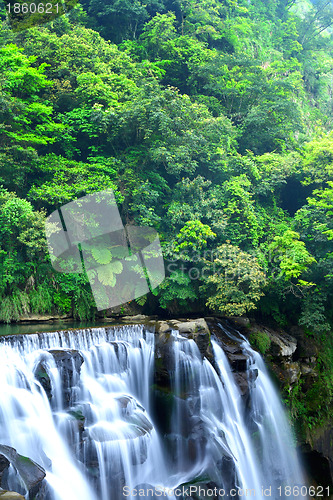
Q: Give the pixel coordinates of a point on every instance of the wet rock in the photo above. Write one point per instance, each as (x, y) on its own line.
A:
(164, 359)
(146, 490)
(237, 360)
(44, 379)
(4, 464)
(31, 473)
(67, 359)
(244, 381)
(68, 362)
(227, 469)
(78, 420)
(200, 490)
(198, 331)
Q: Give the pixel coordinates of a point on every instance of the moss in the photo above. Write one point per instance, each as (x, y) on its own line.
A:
(260, 340)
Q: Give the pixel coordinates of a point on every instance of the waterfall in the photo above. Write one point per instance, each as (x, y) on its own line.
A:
(81, 404)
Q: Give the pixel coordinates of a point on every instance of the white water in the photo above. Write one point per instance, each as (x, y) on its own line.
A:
(211, 430)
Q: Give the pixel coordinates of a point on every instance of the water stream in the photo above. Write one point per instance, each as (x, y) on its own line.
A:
(80, 403)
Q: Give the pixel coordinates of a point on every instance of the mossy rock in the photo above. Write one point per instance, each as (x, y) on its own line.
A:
(260, 340)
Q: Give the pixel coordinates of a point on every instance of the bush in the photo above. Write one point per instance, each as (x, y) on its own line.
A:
(260, 340)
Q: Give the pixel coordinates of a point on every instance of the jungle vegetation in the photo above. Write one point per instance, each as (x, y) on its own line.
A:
(211, 121)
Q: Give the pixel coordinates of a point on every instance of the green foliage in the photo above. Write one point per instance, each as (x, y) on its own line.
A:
(311, 409)
(177, 293)
(235, 282)
(193, 236)
(210, 121)
(291, 254)
(13, 306)
(260, 340)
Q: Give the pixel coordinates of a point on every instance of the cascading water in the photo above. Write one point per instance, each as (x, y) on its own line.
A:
(245, 448)
(118, 445)
(273, 441)
(80, 404)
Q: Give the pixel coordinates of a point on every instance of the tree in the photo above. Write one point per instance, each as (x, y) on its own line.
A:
(235, 281)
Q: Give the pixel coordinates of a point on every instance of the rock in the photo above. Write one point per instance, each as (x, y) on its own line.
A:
(174, 323)
(36, 318)
(292, 371)
(306, 348)
(282, 345)
(199, 325)
(198, 331)
(68, 362)
(189, 327)
(67, 359)
(10, 495)
(4, 464)
(240, 321)
(162, 327)
(135, 319)
(203, 490)
(237, 360)
(31, 473)
(318, 454)
(306, 369)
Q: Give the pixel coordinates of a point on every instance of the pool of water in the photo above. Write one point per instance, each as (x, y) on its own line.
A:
(50, 326)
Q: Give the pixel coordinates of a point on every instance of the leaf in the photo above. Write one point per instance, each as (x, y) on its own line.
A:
(101, 255)
(106, 276)
(116, 267)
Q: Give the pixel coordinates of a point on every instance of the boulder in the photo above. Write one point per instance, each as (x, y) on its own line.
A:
(195, 326)
(67, 359)
(198, 331)
(31, 473)
(162, 327)
(135, 319)
(68, 362)
(282, 345)
(4, 464)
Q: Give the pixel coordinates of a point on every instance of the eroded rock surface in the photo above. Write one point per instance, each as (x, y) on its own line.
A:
(30, 472)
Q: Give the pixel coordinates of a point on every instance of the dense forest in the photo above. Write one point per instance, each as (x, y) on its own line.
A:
(211, 120)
